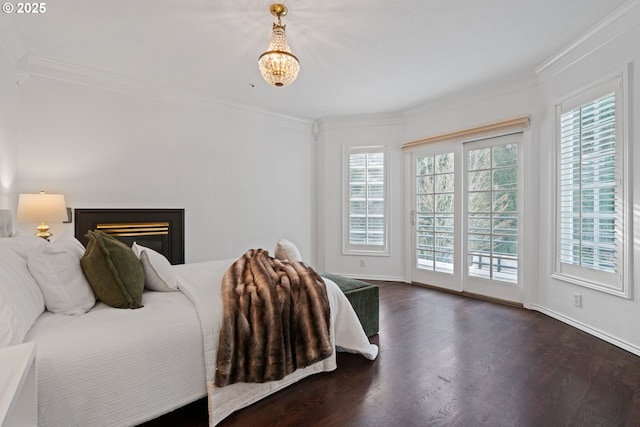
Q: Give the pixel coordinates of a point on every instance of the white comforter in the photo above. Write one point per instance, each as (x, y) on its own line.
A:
(196, 281)
(113, 367)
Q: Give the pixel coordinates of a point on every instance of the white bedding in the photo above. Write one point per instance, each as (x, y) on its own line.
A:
(115, 367)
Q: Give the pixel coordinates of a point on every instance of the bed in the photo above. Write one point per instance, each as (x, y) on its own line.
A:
(122, 367)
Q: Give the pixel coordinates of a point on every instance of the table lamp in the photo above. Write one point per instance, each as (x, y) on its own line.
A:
(42, 208)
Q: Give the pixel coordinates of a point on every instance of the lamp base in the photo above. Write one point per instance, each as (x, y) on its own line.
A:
(43, 231)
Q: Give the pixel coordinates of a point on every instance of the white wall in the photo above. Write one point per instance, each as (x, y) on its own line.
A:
(243, 178)
(8, 132)
(611, 317)
(335, 134)
(612, 45)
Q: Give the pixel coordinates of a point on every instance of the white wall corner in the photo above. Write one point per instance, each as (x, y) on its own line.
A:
(616, 24)
(10, 41)
(366, 121)
(22, 73)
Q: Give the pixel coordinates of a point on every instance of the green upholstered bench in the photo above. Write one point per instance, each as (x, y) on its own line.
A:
(365, 299)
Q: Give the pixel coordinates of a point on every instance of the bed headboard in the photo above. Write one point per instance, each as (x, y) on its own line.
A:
(159, 229)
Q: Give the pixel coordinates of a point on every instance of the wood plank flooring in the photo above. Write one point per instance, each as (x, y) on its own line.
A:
(449, 360)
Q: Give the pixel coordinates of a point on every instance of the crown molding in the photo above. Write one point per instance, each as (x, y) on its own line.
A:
(33, 65)
(364, 120)
(622, 20)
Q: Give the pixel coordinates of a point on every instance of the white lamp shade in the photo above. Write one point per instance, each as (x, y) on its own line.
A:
(37, 208)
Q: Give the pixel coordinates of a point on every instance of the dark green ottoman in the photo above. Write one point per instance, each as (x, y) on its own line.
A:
(365, 299)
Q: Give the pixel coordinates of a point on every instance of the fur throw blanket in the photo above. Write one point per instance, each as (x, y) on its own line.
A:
(276, 319)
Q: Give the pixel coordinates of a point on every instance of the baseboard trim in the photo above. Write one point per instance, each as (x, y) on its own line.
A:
(379, 278)
(588, 329)
(470, 295)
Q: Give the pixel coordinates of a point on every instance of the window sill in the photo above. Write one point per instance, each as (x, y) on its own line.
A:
(621, 293)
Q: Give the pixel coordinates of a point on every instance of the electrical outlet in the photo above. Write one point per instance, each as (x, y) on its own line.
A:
(577, 300)
(362, 263)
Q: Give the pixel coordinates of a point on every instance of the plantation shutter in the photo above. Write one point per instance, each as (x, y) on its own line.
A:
(588, 185)
(366, 199)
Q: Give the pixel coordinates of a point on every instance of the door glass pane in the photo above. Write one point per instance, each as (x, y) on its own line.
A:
(504, 179)
(479, 266)
(505, 224)
(505, 201)
(479, 159)
(444, 163)
(505, 269)
(434, 214)
(425, 259)
(444, 203)
(492, 212)
(479, 223)
(505, 155)
(480, 202)
(479, 180)
(444, 183)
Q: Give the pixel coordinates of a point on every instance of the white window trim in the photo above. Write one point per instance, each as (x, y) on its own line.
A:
(370, 250)
(624, 279)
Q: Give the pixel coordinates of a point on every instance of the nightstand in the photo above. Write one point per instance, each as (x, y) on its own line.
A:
(18, 389)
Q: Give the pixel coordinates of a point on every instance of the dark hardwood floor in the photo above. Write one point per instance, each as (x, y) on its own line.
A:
(449, 360)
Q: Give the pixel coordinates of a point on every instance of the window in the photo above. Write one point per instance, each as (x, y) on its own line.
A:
(366, 201)
(591, 188)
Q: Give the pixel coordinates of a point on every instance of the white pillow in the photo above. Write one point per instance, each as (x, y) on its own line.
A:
(57, 270)
(6, 325)
(158, 273)
(24, 245)
(286, 250)
(21, 301)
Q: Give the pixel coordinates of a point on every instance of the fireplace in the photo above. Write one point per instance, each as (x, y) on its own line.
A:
(159, 229)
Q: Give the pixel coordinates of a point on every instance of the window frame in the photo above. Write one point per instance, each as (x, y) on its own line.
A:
(356, 249)
(617, 283)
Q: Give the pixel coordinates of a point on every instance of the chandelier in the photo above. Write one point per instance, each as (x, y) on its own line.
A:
(278, 66)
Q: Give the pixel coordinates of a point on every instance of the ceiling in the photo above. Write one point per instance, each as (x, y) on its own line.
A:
(356, 56)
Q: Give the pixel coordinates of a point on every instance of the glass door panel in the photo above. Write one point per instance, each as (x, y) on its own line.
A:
(492, 218)
(435, 224)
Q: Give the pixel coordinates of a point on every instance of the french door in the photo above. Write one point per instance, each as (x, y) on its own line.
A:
(435, 222)
(466, 217)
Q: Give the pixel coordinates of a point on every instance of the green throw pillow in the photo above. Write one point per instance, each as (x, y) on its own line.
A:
(113, 271)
